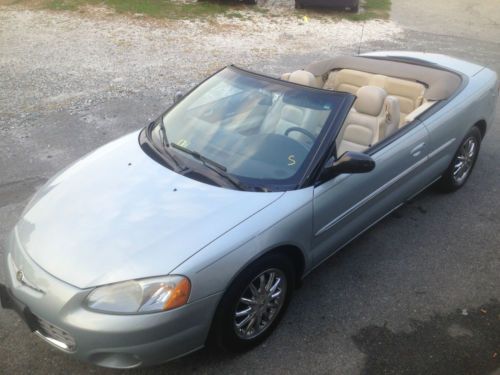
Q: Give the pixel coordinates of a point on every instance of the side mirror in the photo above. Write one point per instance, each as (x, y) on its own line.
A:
(349, 162)
(178, 96)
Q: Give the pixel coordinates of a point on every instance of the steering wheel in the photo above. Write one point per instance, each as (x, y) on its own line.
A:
(307, 133)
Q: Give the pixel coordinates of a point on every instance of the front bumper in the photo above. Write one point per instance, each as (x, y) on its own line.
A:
(56, 313)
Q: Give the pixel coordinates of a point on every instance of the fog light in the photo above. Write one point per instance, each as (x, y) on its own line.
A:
(116, 360)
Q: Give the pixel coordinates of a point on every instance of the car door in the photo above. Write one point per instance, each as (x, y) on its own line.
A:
(348, 204)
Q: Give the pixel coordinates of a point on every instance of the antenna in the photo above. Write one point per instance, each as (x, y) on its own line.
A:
(361, 39)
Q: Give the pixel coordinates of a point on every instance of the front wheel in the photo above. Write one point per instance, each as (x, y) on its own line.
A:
(462, 163)
(254, 303)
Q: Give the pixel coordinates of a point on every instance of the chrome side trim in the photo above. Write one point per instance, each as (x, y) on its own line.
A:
(352, 239)
(371, 196)
(441, 148)
(385, 187)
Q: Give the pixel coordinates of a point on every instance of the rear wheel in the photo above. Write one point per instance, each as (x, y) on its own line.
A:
(463, 162)
(355, 8)
(254, 303)
(298, 5)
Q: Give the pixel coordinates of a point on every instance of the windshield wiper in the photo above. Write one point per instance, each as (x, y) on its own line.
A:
(218, 168)
(165, 145)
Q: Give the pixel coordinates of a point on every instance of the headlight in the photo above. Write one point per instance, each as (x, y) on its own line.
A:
(141, 296)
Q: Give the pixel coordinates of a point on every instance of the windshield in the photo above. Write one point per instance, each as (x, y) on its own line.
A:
(251, 127)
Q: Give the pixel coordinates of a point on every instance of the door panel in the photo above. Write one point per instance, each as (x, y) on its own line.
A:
(346, 205)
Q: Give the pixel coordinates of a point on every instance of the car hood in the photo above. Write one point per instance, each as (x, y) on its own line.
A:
(117, 215)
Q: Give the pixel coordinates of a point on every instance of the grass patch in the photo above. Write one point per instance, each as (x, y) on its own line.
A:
(372, 9)
(151, 8)
(172, 9)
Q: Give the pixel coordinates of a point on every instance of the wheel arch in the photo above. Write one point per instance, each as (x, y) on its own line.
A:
(296, 256)
(481, 125)
(293, 252)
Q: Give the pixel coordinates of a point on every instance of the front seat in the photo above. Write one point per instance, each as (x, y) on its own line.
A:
(365, 125)
(392, 116)
(302, 77)
(300, 117)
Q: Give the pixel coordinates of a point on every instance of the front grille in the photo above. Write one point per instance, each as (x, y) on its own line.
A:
(55, 335)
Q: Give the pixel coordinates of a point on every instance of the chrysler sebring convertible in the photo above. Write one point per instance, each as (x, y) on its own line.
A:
(197, 228)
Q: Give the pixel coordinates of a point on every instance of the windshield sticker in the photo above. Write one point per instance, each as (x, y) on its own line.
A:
(291, 160)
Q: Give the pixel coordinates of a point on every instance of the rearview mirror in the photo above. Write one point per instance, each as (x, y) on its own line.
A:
(178, 96)
(349, 162)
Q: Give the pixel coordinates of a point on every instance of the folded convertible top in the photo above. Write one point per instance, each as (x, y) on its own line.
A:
(441, 83)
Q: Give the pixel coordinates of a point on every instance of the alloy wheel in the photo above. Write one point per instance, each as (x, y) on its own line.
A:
(464, 160)
(260, 303)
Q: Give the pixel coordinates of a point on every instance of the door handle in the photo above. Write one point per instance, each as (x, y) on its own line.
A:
(417, 150)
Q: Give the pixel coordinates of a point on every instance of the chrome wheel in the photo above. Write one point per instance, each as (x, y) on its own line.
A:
(260, 303)
(464, 160)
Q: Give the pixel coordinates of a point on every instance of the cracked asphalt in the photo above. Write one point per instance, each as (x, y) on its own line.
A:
(417, 294)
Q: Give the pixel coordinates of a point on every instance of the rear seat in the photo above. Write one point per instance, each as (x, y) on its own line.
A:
(410, 94)
(347, 80)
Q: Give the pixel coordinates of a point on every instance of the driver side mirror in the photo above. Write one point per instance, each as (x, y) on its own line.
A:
(349, 162)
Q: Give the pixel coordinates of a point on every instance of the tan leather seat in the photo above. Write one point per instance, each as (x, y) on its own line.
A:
(410, 94)
(392, 117)
(347, 80)
(304, 118)
(290, 117)
(302, 77)
(285, 76)
(374, 117)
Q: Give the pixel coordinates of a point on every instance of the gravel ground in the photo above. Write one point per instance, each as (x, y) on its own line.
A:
(45, 54)
(417, 294)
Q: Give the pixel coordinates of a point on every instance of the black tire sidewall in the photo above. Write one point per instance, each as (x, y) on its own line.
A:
(222, 331)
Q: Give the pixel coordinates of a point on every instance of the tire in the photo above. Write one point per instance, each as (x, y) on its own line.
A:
(355, 8)
(224, 332)
(455, 177)
(298, 5)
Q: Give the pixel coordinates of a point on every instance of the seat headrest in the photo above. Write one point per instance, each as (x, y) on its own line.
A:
(303, 77)
(292, 114)
(285, 76)
(370, 100)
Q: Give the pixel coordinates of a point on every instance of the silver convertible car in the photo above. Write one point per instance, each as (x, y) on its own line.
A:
(197, 228)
